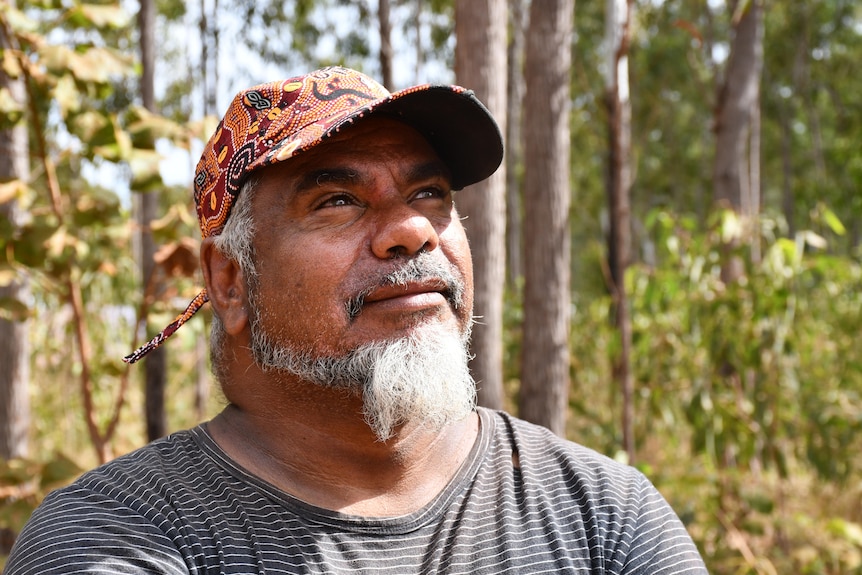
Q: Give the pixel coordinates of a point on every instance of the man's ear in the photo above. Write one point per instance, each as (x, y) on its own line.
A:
(225, 286)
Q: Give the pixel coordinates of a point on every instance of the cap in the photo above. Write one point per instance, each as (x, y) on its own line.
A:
(274, 122)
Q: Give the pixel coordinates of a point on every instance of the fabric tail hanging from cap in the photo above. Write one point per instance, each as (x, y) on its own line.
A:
(190, 310)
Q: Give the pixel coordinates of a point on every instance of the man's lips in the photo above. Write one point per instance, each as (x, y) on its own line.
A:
(427, 292)
(419, 283)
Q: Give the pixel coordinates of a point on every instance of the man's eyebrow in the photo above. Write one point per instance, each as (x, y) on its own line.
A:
(340, 175)
(315, 178)
(429, 171)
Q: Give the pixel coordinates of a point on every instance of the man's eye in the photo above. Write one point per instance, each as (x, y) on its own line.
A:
(431, 193)
(336, 201)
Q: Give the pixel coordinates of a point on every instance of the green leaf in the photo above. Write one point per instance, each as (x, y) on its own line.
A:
(814, 240)
(88, 124)
(66, 95)
(12, 309)
(55, 58)
(112, 16)
(29, 247)
(177, 216)
(149, 127)
(7, 276)
(97, 16)
(11, 112)
(96, 206)
(99, 65)
(833, 222)
(15, 514)
(847, 530)
(731, 226)
(112, 142)
(17, 20)
(17, 472)
(59, 471)
(10, 64)
(202, 129)
(12, 190)
(145, 170)
(57, 242)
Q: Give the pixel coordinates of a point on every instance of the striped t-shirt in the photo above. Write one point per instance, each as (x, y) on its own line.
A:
(525, 501)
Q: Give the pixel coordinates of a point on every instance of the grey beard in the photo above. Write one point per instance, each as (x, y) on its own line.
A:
(423, 378)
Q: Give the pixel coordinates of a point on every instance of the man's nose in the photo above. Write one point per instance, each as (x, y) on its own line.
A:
(403, 230)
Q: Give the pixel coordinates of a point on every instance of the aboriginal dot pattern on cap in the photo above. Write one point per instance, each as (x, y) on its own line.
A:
(269, 123)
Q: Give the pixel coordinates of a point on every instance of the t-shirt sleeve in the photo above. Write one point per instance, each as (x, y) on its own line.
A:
(76, 530)
(660, 544)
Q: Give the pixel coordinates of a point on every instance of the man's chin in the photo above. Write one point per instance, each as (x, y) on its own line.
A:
(421, 378)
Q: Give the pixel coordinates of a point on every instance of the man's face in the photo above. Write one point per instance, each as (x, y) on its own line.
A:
(336, 230)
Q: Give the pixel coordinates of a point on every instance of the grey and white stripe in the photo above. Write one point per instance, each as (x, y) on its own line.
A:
(524, 502)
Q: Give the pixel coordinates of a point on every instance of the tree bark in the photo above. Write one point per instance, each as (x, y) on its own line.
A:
(737, 99)
(420, 51)
(619, 180)
(547, 254)
(480, 58)
(14, 334)
(514, 144)
(788, 201)
(155, 364)
(385, 43)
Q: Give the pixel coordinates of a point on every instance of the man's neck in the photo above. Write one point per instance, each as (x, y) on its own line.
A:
(320, 450)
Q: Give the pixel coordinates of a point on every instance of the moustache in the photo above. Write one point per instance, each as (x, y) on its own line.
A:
(421, 268)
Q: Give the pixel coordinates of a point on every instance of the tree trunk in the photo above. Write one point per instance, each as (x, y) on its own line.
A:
(420, 51)
(788, 201)
(514, 144)
(480, 55)
(617, 36)
(545, 365)
(754, 195)
(737, 98)
(14, 333)
(385, 43)
(155, 364)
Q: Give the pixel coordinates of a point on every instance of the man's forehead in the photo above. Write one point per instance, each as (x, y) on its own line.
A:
(299, 179)
(351, 155)
(410, 171)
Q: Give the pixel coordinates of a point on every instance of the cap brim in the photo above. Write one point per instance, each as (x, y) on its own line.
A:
(456, 124)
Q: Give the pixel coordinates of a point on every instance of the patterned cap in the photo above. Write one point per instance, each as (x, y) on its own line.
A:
(273, 122)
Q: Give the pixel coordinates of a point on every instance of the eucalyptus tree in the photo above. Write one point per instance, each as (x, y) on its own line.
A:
(514, 144)
(736, 169)
(14, 281)
(619, 181)
(80, 109)
(545, 376)
(480, 58)
(155, 365)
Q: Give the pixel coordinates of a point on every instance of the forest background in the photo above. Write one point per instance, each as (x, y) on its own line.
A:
(686, 297)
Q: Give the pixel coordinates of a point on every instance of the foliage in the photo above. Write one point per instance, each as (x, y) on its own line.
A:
(811, 108)
(749, 407)
(750, 395)
(24, 484)
(747, 361)
(76, 243)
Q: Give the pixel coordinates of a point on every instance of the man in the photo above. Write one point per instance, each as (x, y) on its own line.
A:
(340, 280)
